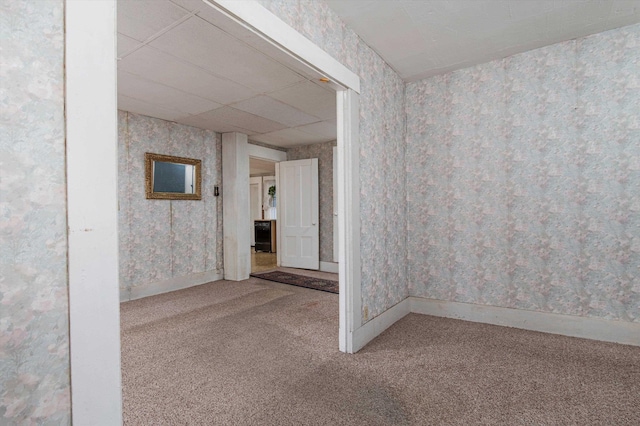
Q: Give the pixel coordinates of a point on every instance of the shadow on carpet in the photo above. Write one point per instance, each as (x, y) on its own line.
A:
(299, 280)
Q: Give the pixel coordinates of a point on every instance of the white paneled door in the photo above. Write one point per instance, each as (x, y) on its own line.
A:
(299, 244)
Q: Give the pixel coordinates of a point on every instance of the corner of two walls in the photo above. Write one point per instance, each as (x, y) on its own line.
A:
(523, 181)
(166, 245)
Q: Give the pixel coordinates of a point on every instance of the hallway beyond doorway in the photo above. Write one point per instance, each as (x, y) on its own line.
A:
(263, 261)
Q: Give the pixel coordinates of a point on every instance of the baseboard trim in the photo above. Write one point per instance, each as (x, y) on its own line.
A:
(372, 329)
(568, 325)
(329, 267)
(172, 284)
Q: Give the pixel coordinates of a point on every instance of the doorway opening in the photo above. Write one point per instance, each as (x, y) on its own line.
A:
(263, 214)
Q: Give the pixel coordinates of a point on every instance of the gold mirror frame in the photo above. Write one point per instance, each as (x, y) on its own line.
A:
(149, 159)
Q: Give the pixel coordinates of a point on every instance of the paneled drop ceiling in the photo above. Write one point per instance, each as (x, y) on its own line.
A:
(421, 38)
(180, 61)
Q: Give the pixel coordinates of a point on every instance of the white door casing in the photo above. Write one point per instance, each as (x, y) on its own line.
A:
(255, 201)
(298, 223)
(335, 206)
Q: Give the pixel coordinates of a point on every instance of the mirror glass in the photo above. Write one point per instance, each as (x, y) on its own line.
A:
(173, 178)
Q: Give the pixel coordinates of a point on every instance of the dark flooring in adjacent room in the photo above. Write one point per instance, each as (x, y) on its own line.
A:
(262, 353)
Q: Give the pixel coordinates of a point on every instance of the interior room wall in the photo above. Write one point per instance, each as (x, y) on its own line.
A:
(162, 240)
(524, 180)
(382, 150)
(324, 153)
(34, 323)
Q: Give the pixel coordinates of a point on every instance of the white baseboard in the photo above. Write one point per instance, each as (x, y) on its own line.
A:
(568, 325)
(372, 329)
(172, 284)
(329, 267)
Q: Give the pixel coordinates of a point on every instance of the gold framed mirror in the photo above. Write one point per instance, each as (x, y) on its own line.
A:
(172, 178)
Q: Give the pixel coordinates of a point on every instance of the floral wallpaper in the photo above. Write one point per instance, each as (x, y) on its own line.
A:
(34, 325)
(382, 150)
(524, 180)
(163, 239)
(324, 153)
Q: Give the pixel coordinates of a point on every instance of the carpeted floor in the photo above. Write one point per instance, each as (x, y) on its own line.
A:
(262, 353)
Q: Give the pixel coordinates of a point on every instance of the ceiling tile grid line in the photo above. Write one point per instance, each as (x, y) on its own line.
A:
(188, 15)
(158, 34)
(203, 44)
(151, 79)
(171, 71)
(275, 94)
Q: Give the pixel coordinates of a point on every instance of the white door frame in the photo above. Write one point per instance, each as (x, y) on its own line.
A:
(91, 33)
(334, 208)
(92, 211)
(252, 181)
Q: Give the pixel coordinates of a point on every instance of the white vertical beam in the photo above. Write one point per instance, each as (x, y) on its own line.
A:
(348, 107)
(94, 316)
(235, 206)
(334, 211)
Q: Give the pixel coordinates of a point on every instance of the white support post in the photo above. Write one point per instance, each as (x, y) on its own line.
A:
(92, 211)
(235, 206)
(349, 217)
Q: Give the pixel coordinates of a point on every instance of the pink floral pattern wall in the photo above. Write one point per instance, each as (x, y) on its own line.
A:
(165, 239)
(34, 325)
(524, 180)
(382, 150)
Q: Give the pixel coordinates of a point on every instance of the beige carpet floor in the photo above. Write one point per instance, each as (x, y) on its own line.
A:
(264, 353)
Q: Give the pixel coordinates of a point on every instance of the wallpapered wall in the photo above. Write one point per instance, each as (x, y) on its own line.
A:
(324, 153)
(34, 326)
(524, 180)
(382, 150)
(164, 239)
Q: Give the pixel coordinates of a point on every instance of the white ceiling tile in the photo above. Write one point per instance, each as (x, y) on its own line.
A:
(168, 70)
(526, 9)
(323, 129)
(204, 122)
(167, 97)
(137, 106)
(251, 124)
(289, 137)
(191, 5)
(310, 98)
(271, 109)
(140, 19)
(200, 43)
(125, 44)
